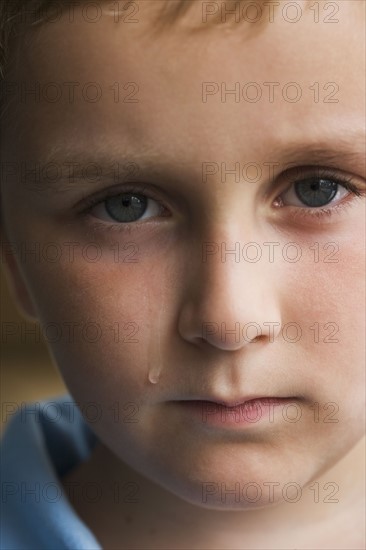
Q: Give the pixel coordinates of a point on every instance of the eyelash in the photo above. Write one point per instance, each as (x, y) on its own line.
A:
(316, 214)
(319, 213)
(90, 202)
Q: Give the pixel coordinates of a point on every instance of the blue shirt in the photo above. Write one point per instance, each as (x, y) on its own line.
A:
(41, 443)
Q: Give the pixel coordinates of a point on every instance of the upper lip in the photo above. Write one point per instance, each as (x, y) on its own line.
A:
(234, 402)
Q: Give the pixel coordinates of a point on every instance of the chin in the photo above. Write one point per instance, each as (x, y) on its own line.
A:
(240, 496)
(238, 492)
(231, 503)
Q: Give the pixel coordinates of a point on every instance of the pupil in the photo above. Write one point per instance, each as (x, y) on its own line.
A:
(316, 193)
(127, 207)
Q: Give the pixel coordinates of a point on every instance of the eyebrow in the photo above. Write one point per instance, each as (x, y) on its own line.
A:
(345, 155)
(77, 167)
(341, 154)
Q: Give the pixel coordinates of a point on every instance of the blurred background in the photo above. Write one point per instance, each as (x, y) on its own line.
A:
(27, 372)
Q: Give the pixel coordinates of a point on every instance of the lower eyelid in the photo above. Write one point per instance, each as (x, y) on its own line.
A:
(322, 214)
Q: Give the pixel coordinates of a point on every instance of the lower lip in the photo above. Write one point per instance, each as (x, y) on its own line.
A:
(248, 414)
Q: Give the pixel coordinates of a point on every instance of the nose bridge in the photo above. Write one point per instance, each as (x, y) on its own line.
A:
(231, 299)
(233, 285)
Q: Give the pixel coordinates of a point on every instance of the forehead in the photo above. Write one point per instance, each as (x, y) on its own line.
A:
(112, 83)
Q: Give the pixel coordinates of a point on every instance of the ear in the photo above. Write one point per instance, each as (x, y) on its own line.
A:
(15, 278)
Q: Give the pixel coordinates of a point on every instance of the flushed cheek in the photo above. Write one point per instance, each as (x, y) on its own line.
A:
(327, 300)
(107, 317)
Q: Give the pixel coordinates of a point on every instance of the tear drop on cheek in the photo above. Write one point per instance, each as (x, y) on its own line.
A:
(155, 364)
(154, 375)
(154, 355)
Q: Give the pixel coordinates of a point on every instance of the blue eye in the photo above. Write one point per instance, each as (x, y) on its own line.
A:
(316, 192)
(127, 207)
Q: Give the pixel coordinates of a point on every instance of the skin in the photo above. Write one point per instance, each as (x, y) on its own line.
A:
(165, 453)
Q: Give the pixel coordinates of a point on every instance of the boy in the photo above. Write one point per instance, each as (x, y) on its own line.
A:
(222, 406)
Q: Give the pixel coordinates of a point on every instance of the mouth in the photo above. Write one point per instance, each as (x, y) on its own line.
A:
(241, 401)
(238, 412)
(248, 401)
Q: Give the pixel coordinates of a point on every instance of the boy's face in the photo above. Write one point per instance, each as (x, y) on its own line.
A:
(146, 291)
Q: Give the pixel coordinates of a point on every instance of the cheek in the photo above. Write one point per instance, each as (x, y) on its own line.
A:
(326, 298)
(106, 368)
(102, 320)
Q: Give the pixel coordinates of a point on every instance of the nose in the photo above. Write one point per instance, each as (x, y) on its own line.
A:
(230, 304)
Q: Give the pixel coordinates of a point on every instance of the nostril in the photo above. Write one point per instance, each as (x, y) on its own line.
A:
(257, 339)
